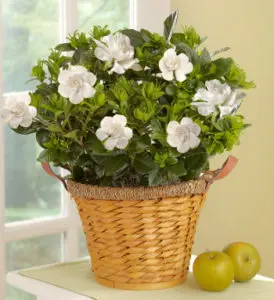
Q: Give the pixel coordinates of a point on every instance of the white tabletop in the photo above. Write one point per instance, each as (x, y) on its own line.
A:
(45, 291)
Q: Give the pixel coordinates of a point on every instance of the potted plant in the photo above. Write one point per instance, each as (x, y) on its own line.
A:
(134, 117)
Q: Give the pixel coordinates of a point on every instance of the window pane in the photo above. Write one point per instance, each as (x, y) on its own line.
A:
(114, 13)
(30, 28)
(29, 253)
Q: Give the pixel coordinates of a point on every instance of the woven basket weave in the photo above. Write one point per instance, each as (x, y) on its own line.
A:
(141, 237)
(139, 244)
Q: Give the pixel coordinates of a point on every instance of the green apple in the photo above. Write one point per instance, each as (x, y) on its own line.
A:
(246, 260)
(213, 271)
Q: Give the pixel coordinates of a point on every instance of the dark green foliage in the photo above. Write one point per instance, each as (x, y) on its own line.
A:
(66, 132)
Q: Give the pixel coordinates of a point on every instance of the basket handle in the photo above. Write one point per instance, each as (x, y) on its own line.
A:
(211, 176)
(208, 176)
(48, 170)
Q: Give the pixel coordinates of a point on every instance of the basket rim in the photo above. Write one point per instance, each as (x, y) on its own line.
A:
(91, 192)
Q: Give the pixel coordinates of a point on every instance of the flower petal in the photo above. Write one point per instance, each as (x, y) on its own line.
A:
(173, 140)
(122, 143)
(14, 122)
(64, 76)
(128, 133)
(195, 129)
(90, 78)
(120, 119)
(203, 94)
(87, 90)
(26, 121)
(117, 68)
(107, 123)
(225, 110)
(180, 75)
(127, 63)
(193, 141)
(25, 97)
(171, 127)
(183, 147)
(5, 114)
(64, 90)
(102, 53)
(78, 69)
(204, 109)
(101, 134)
(76, 97)
(170, 54)
(136, 67)
(32, 111)
(168, 75)
(186, 121)
(110, 143)
(185, 64)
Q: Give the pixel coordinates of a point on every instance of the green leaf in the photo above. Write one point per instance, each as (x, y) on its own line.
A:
(45, 89)
(144, 163)
(44, 156)
(64, 47)
(171, 90)
(85, 160)
(42, 137)
(94, 145)
(38, 72)
(188, 51)
(169, 25)
(136, 37)
(205, 56)
(115, 164)
(178, 169)
(157, 177)
(139, 144)
(76, 57)
(222, 66)
(157, 132)
(77, 173)
(195, 163)
(54, 128)
(72, 134)
(100, 31)
(27, 130)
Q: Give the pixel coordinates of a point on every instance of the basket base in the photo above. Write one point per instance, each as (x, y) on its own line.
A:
(140, 286)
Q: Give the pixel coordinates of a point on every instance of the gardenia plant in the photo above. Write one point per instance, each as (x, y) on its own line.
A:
(132, 108)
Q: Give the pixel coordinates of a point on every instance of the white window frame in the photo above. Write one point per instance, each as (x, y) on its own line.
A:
(147, 14)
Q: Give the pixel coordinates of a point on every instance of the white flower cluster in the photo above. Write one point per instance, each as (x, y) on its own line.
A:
(173, 65)
(76, 83)
(16, 110)
(183, 135)
(117, 49)
(219, 95)
(114, 133)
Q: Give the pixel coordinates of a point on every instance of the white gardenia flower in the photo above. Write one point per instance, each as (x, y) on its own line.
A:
(219, 95)
(76, 83)
(17, 111)
(183, 135)
(117, 48)
(114, 133)
(173, 65)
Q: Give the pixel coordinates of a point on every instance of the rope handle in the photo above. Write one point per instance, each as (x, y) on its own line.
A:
(208, 176)
(211, 176)
(48, 170)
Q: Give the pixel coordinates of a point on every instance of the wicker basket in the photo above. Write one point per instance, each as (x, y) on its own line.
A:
(141, 238)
